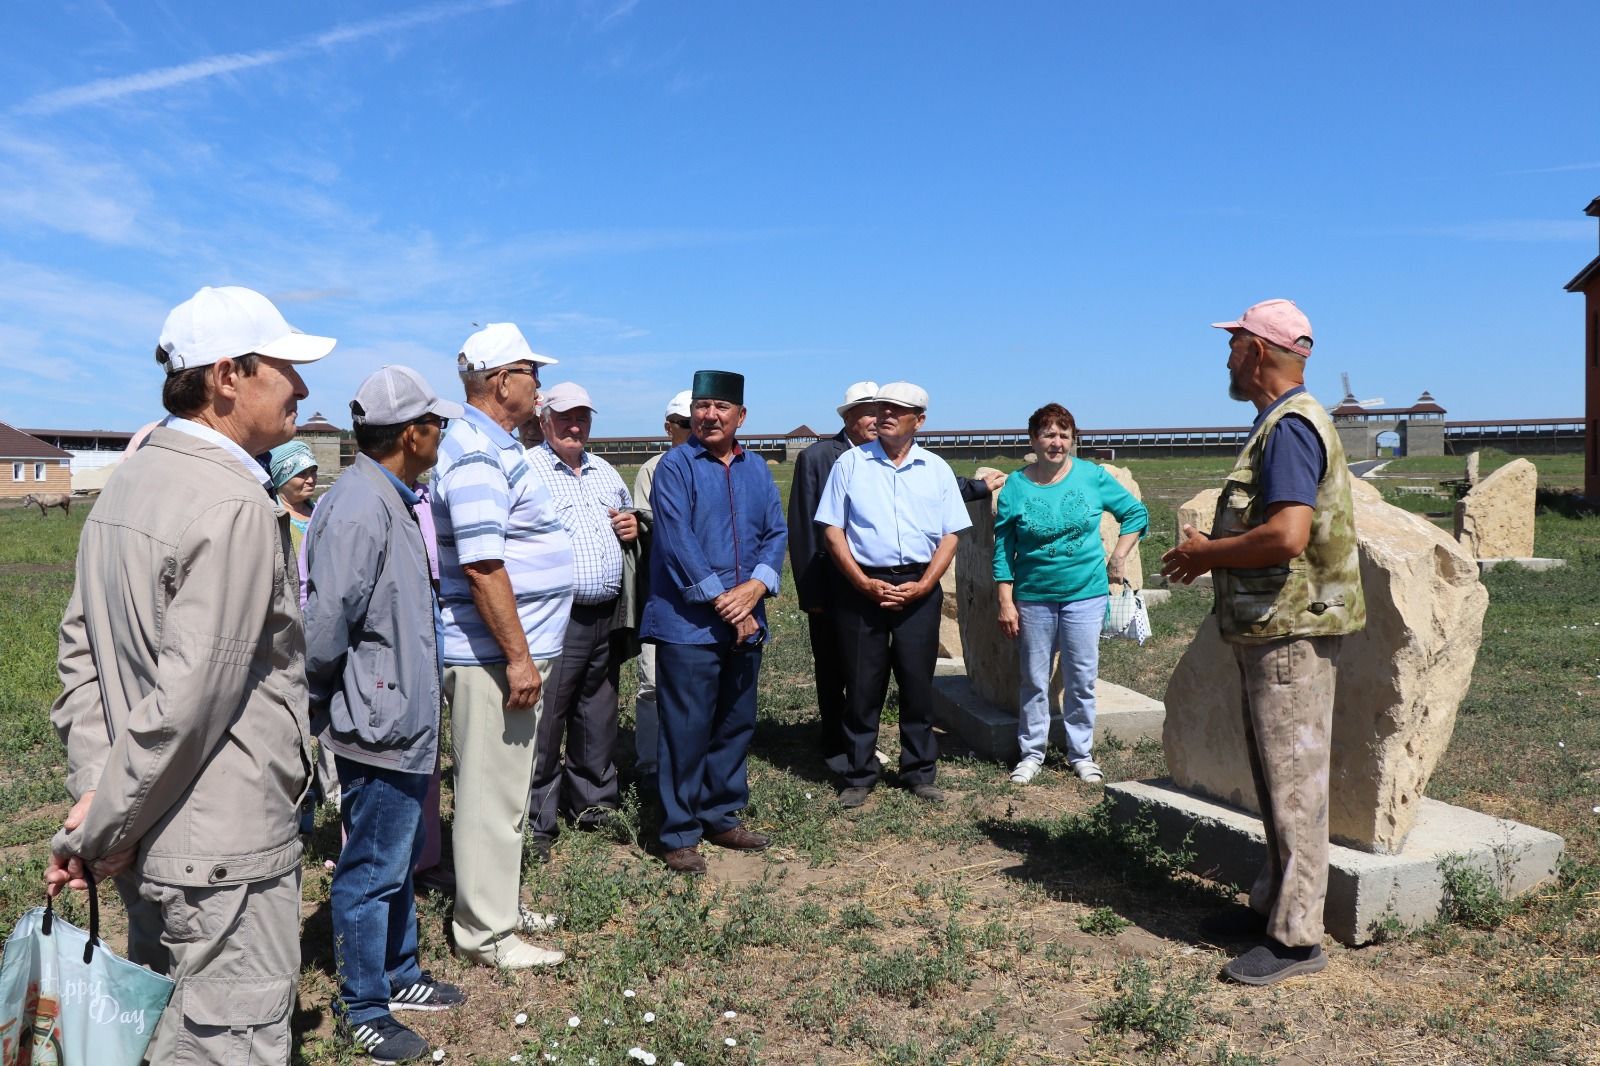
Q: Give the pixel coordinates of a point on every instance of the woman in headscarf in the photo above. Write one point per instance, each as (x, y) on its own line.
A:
(294, 475)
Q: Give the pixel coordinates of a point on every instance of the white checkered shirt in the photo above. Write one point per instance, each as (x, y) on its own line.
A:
(583, 501)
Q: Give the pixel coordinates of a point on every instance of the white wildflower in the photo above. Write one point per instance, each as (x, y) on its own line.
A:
(649, 1015)
(628, 993)
(730, 1014)
(521, 1019)
(573, 1022)
(730, 1041)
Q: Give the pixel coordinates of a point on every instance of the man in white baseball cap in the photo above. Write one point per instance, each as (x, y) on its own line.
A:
(183, 704)
(646, 720)
(505, 585)
(808, 559)
(890, 513)
(580, 706)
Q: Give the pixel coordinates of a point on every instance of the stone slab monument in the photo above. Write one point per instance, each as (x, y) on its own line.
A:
(980, 704)
(1494, 520)
(1400, 683)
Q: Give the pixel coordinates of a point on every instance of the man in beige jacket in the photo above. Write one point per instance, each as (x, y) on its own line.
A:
(183, 703)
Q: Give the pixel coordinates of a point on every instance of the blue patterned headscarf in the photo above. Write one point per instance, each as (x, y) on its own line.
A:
(287, 460)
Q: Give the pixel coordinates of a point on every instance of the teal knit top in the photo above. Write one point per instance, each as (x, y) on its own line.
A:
(1047, 537)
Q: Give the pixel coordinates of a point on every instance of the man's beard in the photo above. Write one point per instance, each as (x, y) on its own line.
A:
(1235, 392)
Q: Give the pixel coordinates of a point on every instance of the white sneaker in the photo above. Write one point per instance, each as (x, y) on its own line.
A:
(535, 922)
(1088, 770)
(514, 953)
(1026, 771)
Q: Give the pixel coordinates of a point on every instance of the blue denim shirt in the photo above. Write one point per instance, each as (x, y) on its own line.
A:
(716, 525)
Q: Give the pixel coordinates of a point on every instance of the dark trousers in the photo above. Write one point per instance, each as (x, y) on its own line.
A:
(873, 641)
(830, 688)
(580, 707)
(706, 696)
(374, 911)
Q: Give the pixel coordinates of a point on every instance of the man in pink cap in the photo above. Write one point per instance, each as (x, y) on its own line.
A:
(1282, 552)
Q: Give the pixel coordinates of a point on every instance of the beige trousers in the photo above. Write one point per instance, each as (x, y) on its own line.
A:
(234, 951)
(494, 750)
(1288, 714)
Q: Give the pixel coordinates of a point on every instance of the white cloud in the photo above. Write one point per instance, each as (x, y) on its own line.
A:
(106, 90)
(82, 191)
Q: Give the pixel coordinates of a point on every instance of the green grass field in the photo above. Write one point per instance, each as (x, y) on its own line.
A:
(1013, 925)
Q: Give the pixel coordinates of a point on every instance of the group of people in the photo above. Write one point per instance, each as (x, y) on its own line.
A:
(478, 556)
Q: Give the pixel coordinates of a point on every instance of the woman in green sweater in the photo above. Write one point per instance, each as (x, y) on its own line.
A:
(1054, 579)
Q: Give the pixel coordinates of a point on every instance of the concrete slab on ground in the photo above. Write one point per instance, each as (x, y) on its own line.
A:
(946, 667)
(1155, 597)
(1364, 890)
(1526, 562)
(991, 732)
(1156, 581)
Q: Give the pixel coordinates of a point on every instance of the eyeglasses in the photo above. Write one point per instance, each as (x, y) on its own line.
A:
(534, 374)
(433, 420)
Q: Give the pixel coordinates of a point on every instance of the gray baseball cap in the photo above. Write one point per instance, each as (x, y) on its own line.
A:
(394, 395)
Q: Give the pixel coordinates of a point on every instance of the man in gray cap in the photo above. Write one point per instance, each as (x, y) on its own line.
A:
(183, 703)
(716, 555)
(373, 667)
(505, 585)
(890, 511)
(645, 727)
(581, 706)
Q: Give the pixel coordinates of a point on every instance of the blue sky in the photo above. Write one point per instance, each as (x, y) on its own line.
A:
(1007, 203)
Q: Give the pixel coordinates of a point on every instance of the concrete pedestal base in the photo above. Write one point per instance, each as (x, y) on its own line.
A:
(1527, 563)
(1364, 890)
(991, 732)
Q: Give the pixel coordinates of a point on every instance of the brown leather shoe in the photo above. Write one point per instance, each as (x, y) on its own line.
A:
(685, 860)
(740, 839)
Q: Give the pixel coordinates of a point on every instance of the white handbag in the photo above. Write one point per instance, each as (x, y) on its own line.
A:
(1126, 616)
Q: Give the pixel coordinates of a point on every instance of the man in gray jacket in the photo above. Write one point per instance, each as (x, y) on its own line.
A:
(183, 703)
(372, 663)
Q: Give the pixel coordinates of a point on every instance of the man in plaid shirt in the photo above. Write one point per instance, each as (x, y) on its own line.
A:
(581, 702)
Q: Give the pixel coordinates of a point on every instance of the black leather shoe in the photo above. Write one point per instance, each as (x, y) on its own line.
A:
(928, 792)
(854, 796)
(685, 861)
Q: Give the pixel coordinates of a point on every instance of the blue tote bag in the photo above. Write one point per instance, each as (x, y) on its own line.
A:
(66, 1000)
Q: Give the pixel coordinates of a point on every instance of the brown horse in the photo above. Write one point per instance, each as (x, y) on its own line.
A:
(46, 500)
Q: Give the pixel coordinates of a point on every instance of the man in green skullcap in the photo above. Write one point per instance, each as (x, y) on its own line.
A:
(718, 548)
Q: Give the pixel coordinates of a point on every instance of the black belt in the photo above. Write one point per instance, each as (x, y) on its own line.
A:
(909, 570)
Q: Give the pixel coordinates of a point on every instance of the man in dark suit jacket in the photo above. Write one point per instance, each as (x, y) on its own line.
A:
(808, 558)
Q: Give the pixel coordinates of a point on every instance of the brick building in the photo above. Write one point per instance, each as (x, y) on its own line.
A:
(1588, 283)
(28, 464)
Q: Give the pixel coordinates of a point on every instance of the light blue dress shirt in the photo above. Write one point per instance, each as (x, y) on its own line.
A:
(892, 515)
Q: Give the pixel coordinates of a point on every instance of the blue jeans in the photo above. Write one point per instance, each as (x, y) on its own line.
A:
(706, 696)
(1073, 629)
(374, 912)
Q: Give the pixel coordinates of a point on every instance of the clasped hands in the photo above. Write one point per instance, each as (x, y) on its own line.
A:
(735, 606)
(894, 597)
(67, 871)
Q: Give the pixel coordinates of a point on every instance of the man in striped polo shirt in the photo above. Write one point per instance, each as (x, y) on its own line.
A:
(505, 575)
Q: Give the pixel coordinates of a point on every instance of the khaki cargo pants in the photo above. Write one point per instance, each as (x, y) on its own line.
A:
(234, 951)
(1288, 714)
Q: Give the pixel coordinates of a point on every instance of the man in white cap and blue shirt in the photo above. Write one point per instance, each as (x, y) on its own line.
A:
(183, 703)
(581, 707)
(891, 510)
(646, 721)
(373, 667)
(505, 584)
(808, 554)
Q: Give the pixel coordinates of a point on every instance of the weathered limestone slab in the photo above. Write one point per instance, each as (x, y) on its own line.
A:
(1473, 461)
(1198, 510)
(1495, 519)
(1364, 890)
(991, 659)
(1401, 681)
(990, 730)
(1110, 528)
(1526, 563)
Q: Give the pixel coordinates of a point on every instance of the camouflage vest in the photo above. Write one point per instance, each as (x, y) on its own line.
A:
(1317, 593)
